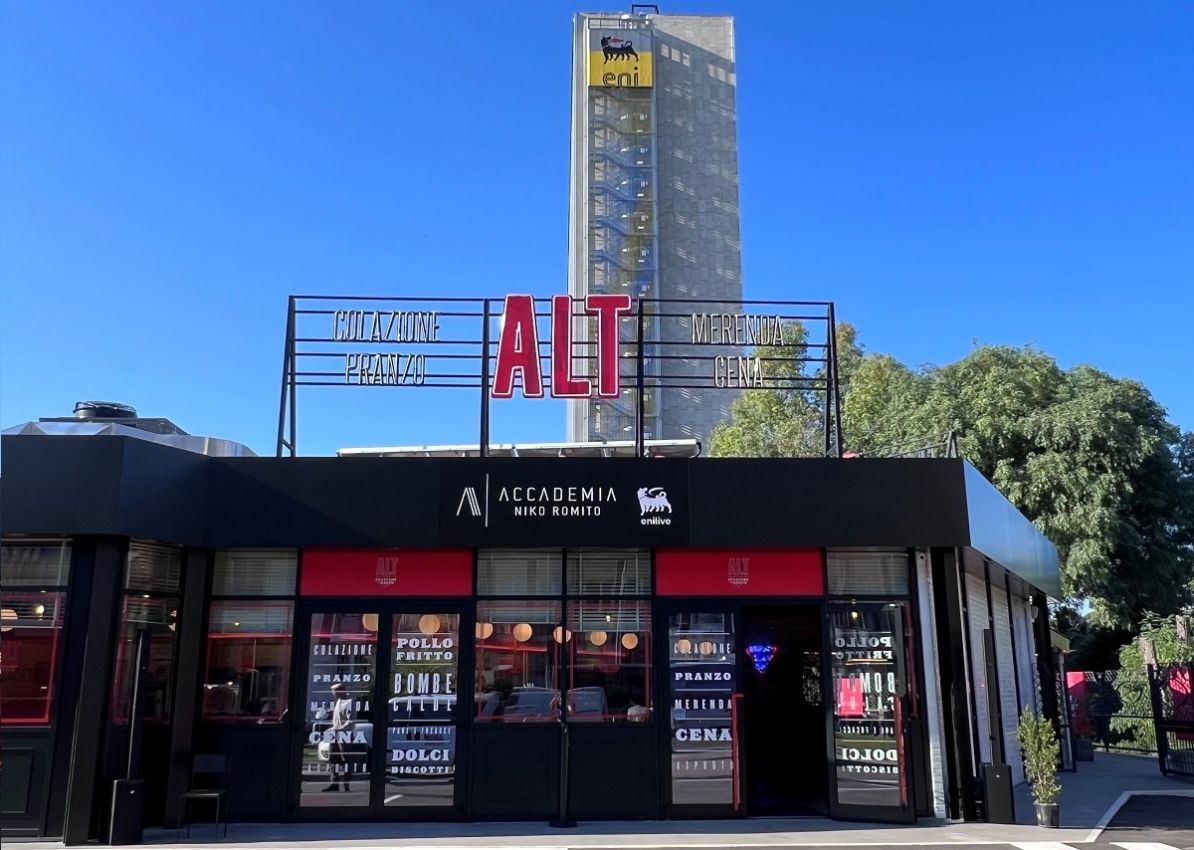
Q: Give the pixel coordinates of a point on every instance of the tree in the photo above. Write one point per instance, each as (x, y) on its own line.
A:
(788, 420)
(1091, 459)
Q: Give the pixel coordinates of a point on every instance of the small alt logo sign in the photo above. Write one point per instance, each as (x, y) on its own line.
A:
(387, 571)
(738, 571)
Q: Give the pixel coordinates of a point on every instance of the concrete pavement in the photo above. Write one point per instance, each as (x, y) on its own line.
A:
(1091, 800)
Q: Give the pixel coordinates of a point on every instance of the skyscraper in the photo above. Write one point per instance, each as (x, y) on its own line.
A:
(654, 201)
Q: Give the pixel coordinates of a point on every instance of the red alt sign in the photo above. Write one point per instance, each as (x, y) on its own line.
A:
(518, 348)
(386, 572)
(739, 572)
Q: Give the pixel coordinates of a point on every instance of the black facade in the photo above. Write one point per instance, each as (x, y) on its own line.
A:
(111, 496)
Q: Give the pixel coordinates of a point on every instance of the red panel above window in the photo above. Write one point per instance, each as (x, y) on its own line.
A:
(739, 572)
(386, 572)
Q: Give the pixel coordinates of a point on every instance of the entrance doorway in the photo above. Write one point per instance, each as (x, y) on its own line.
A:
(783, 711)
(379, 713)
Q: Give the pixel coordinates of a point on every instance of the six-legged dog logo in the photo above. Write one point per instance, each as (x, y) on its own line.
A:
(617, 48)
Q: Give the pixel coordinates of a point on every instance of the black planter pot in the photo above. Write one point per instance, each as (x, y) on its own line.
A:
(1048, 814)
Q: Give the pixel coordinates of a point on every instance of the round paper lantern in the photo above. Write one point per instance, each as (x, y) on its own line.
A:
(369, 621)
(598, 638)
(684, 646)
(706, 647)
(522, 632)
(429, 624)
(7, 614)
(630, 640)
(561, 635)
(484, 630)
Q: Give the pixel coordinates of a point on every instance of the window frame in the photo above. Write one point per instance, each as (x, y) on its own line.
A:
(564, 599)
(286, 697)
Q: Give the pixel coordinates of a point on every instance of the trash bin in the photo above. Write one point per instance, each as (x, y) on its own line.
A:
(128, 811)
(999, 804)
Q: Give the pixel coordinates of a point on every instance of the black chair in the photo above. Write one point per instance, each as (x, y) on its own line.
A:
(207, 766)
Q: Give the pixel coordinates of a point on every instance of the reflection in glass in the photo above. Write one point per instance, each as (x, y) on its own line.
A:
(701, 671)
(339, 711)
(248, 660)
(30, 637)
(518, 663)
(421, 733)
(159, 616)
(609, 673)
(868, 684)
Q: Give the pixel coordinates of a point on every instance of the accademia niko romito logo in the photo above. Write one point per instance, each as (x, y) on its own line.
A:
(652, 502)
(556, 501)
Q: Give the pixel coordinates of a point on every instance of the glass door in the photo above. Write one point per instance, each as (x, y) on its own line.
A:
(703, 760)
(870, 776)
(422, 712)
(380, 714)
(336, 763)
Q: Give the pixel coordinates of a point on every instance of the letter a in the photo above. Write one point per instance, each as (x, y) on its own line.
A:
(608, 308)
(563, 385)
(518, 350)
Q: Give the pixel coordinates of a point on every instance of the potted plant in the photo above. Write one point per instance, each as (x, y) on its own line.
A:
(1041, 753)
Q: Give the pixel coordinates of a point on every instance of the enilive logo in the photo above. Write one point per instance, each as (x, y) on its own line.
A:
(652, 503)
(387, 571)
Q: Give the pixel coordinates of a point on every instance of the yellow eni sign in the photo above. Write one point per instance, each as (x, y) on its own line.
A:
(621, 58)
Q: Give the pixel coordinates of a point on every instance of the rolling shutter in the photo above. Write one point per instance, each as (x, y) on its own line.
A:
(1009, 708)
(976, 603)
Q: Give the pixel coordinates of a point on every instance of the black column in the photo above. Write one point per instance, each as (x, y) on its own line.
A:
(86, 795)
(188, 673)
(960, 791)
(74, 639)
(1046, 670)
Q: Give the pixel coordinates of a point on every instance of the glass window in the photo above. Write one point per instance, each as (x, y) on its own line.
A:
(30, 634)
(867, 572)
(868, 687)
(701, 656)
(153, 569)
(517, 678)
(151, 580)
(609, 572)
(254, 572)
(609, 654)
(421, 734)
(158, 616)
(35, 564)
(519, 572)
(339, 710)
(248, 660)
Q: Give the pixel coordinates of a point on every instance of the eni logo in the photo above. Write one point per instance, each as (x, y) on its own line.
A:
(617, 48)
(616, 61)
(387, 571)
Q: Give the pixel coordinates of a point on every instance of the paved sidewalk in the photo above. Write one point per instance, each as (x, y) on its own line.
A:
(1089, 800)
(1088, 794)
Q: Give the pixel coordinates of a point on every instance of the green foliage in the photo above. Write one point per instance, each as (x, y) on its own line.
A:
(1041, 754)
(787, 421)
(1091, 459)
(1162, 631)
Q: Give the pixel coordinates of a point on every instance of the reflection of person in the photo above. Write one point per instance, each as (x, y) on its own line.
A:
(342, 721)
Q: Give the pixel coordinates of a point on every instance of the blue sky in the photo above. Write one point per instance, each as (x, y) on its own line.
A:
(946, 172)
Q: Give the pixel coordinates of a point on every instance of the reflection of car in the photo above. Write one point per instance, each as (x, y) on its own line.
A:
(587, 704)
(357, 739)
(523, 705)
(426, 707)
